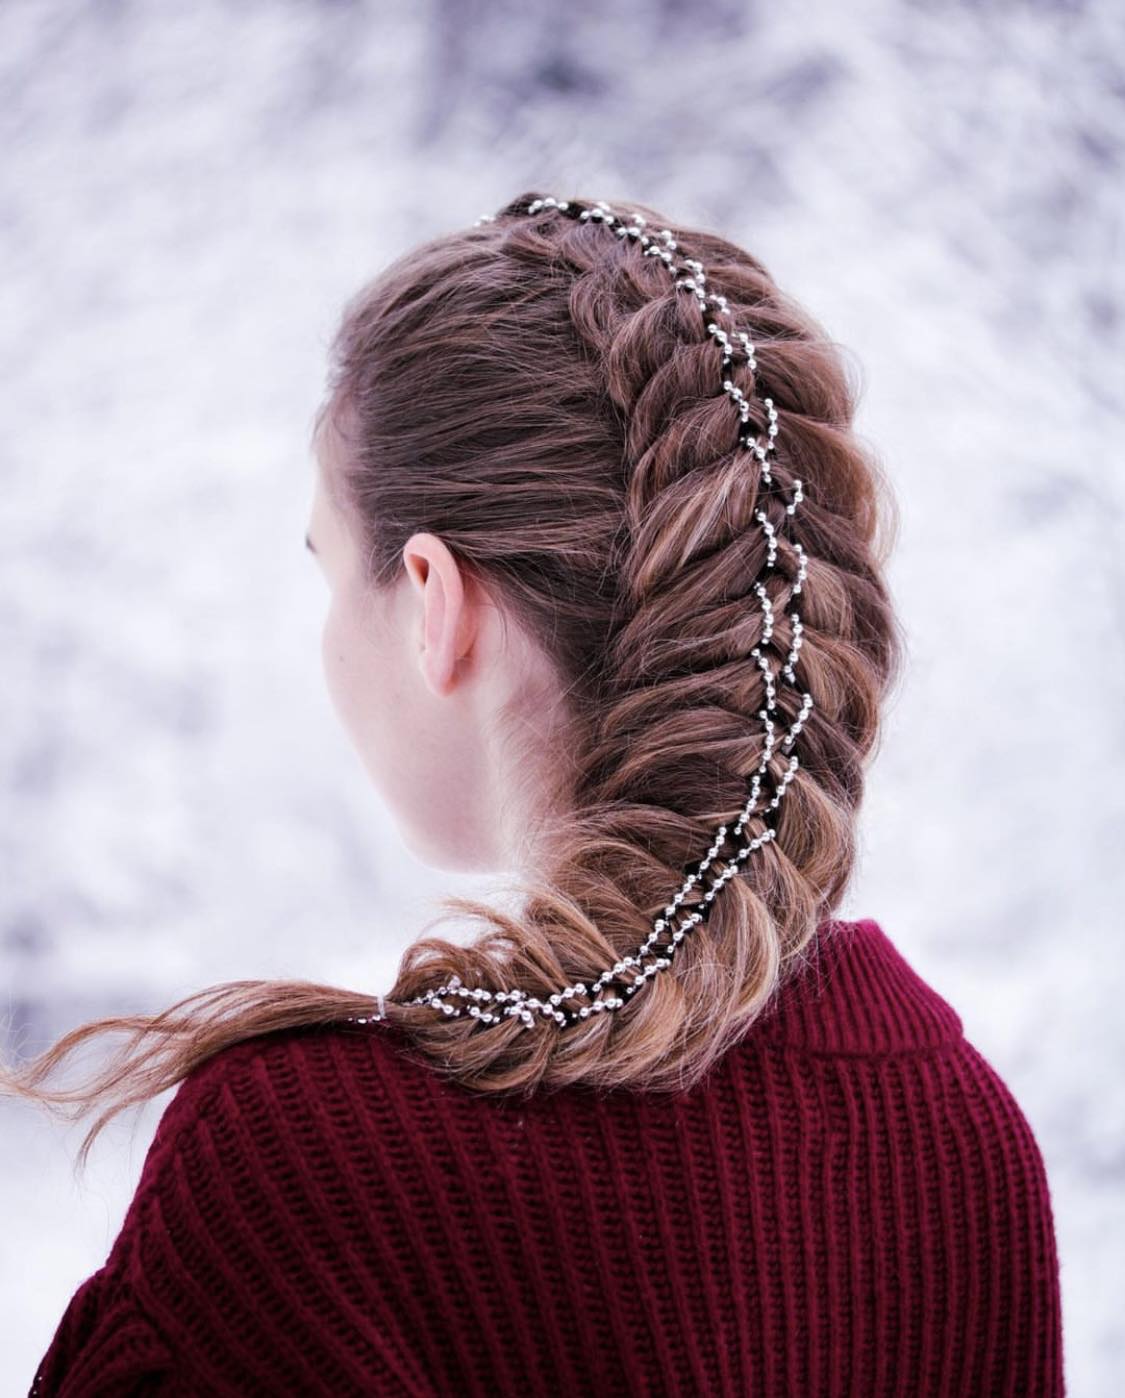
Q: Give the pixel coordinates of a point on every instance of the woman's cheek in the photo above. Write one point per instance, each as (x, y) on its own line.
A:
(356, 680)
(334, 656)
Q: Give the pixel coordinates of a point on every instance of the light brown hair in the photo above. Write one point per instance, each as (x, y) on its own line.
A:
(540, 395)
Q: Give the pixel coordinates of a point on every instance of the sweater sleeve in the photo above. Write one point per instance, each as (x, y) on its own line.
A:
(1017, 1316)
(105, 1345)
(234, 1271)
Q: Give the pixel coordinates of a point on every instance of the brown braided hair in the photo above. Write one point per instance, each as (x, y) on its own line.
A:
(578, 458)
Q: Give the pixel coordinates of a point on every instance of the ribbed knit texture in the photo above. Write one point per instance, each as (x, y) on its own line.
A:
(851, 1203)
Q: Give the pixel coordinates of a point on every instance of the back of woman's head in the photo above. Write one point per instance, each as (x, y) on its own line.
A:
(540, 395)
(543, 398)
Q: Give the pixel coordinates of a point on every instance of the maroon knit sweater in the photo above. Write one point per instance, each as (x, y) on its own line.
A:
(851, 1203)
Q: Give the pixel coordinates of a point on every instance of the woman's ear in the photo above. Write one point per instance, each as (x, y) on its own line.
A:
(446, 625)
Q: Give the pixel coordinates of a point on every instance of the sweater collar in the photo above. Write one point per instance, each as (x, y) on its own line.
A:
(853, 991)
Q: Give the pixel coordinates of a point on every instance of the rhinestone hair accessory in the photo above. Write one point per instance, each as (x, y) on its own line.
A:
(579, 1001)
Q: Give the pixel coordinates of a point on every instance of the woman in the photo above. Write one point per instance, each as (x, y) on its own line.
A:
(607, 610)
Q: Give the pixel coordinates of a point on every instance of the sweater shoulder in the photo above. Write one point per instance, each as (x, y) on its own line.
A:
(264, 1105)
(275, 1158)
(853, 991)
(279, 1073)
(279, 1117)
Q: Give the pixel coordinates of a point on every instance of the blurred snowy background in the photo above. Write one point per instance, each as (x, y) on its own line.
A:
(188, 193)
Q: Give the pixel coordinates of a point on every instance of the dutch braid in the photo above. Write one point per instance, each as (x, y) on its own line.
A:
(702, 525)
(578, 452)
(649, 957)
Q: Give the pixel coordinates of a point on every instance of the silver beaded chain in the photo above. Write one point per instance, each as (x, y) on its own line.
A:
(689, 275)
